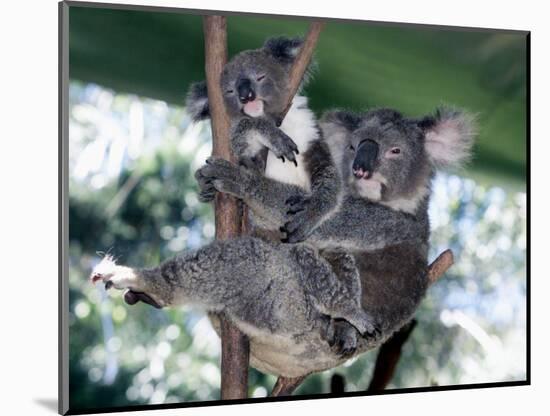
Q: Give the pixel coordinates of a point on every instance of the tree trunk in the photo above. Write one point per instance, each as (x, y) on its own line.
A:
(235, 349)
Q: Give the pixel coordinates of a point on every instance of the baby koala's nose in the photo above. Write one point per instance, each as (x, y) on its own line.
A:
(245, 91)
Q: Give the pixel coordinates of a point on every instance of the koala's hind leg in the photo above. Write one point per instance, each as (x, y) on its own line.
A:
(231, 275)
(344, 336)
(344, 267)
(329, 294)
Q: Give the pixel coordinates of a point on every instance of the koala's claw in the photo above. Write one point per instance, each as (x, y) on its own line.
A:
(346, 347)
(365, 324)
(302, 219)
(375, 334)
(297, 229)
(219, 175)
(283, 147)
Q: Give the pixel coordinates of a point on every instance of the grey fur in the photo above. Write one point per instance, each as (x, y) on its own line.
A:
(390, 243)
(296, 302)
(265, 72)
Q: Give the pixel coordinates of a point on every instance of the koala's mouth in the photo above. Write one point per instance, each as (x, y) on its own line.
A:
(254, 108)
(371, 187)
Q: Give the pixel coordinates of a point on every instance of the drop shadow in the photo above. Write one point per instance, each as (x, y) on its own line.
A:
(49, 404)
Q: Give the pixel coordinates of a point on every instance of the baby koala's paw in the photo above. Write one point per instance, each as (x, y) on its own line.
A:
(303, 219)
(219, 175)
(283, 146)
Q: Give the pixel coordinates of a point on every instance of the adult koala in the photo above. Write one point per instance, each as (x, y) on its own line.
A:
(281, 294)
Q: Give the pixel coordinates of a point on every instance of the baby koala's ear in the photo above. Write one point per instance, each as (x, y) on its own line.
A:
(449, 136)
(196, 102)
(283, 49)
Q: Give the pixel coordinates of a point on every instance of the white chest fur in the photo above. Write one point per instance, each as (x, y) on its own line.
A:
(300, 125)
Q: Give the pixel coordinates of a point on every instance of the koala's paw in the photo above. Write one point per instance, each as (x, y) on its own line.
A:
(283, 146)
(219, 175)
(365, 324)
(121, 278)
(345, 342)
(303, 219)
(113, 275)
(207, 190)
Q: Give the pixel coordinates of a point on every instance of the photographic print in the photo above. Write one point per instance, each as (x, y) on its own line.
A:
(263, 208)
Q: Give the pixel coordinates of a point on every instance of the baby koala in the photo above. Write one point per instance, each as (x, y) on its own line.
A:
(254, 84)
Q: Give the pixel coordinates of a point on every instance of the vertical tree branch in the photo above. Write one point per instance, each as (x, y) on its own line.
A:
(235, 349)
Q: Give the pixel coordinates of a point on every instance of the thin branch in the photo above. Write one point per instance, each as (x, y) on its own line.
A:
(235, 348)
(440, 265)
(285, 386)
(388, 357)
(300, 65)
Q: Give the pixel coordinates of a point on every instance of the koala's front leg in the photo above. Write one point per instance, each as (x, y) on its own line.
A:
(250, 135)
(264, 196)
(306, 212)
(220, 175)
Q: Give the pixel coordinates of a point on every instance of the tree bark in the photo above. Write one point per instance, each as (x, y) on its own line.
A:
(285, 386)
(235, 348)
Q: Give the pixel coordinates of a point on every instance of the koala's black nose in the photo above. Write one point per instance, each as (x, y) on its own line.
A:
(365, 157)
(245, 90)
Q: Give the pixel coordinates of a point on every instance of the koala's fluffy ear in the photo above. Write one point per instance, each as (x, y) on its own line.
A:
(449, 136)
(196, 102)
(339, 122)
(283, 49)
(337, 125)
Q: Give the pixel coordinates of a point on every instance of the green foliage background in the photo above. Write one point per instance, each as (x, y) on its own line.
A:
(361, 65)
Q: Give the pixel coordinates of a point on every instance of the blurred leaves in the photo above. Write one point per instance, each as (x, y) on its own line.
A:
(132, 193)
(361, 65)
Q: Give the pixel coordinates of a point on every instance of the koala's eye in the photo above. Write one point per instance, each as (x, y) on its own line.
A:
(393, 152)
(352, 148)
(260, 78)
(229, 91)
